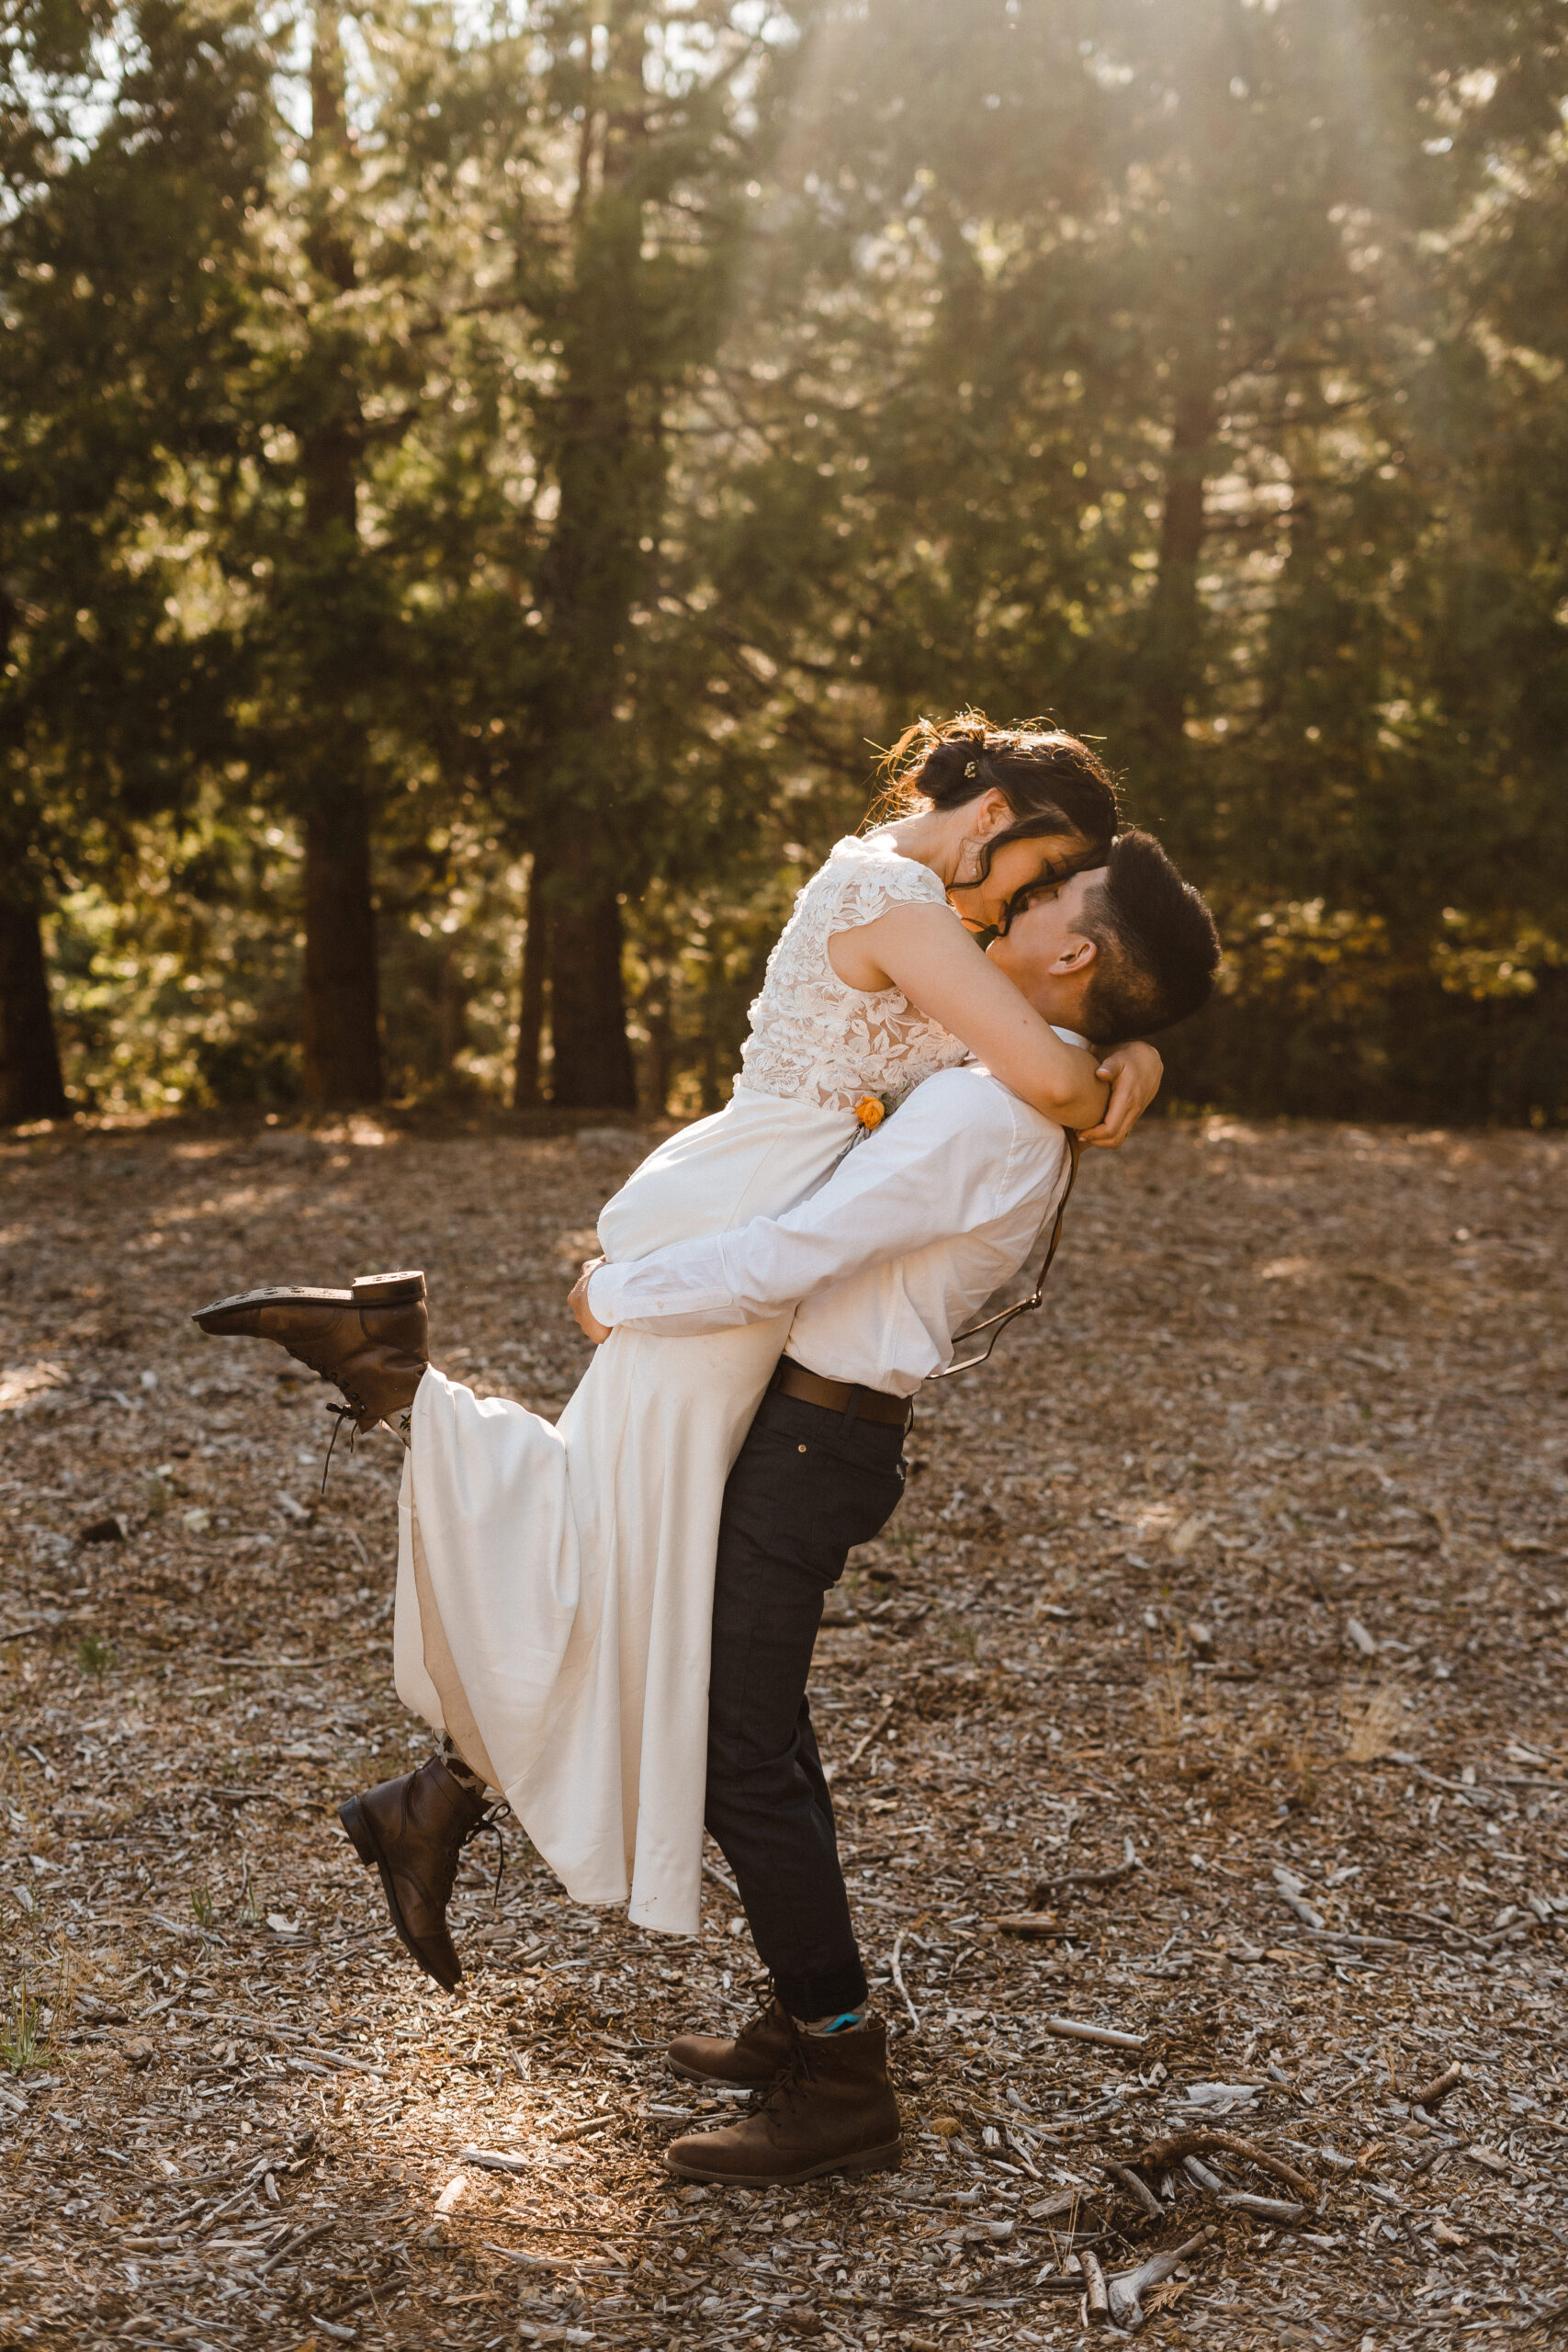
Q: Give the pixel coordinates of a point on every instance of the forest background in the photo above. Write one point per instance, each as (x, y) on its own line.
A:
(476, 483)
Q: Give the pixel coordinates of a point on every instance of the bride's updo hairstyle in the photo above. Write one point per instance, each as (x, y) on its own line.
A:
(1051, 783)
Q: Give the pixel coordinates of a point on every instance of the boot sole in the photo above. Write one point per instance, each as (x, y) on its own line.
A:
(366, 1845)
(883, 2159)
(402, 1289)
(722, 2082)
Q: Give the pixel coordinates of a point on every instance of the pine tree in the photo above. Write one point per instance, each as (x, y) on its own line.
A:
(127, 198)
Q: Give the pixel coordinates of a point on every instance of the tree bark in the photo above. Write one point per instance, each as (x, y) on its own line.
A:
(609, 463)
(342, 1010)
(594, 1065)
(343, 1042)
(1175, 617)
(527, 1092)
(31, 1086)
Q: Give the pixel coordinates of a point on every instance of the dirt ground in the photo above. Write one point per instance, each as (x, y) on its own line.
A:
(1239, 1579)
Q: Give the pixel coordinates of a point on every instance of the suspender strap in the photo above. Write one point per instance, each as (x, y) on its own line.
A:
(997, 1324)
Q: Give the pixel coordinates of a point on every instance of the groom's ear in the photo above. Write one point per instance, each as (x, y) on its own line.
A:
(1075, 955)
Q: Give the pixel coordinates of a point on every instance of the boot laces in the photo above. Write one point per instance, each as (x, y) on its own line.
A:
(763, 1993)
(491, 1820)
(343, 1413)
(791, 2084)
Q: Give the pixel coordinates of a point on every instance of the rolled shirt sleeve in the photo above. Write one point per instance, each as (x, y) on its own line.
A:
(938, 1167)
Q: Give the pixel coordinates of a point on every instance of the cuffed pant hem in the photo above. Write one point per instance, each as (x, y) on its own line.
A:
(824, 1993)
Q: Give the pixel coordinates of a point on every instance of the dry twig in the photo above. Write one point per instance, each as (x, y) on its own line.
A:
(1136, 2187)
(1096, 2295)
(1430, 2093)
(1160, 2155)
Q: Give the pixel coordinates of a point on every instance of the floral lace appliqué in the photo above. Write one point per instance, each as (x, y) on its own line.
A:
(815, 1040)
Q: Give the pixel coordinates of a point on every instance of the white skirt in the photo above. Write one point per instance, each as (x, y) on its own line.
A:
(554, 1584)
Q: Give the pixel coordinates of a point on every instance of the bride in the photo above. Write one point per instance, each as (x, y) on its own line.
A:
(554, 1583)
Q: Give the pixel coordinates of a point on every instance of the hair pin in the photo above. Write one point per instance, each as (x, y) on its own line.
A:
(973, 768)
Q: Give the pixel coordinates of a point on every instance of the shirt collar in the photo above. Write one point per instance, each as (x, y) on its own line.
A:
(1068, 1037)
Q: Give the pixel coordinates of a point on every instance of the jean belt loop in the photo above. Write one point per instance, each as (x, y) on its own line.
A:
(852, 1411)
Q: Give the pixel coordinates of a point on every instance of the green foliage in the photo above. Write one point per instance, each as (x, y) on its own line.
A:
(440, 450)
(95, 1656)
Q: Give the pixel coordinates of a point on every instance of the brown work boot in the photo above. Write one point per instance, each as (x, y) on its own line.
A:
(762, 2050)
(414, 1831)
(832, 2111)
(372, 1342)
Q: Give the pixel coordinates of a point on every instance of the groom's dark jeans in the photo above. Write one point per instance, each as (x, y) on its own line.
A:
(808, 1485)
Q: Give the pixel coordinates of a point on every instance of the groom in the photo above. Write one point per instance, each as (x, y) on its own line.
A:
(902, 1247)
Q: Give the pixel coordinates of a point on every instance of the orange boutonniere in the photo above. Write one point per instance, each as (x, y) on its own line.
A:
(871, 1113)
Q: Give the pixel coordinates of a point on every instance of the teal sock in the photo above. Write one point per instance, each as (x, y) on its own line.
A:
(838, 2021)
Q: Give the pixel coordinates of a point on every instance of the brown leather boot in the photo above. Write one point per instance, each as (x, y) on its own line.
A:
(832, 2111)
(372, 1342)
(760, 2052)
(414, 1831)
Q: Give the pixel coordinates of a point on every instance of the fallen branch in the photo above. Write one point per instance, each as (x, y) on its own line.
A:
(1111, 2036)
(548, 2261)
(1062, 2201)
(1045, 1888)
(1446, 1927)
(836, 1771)
(1161, 2154)
(1039, 1924)
(289, 2036)
(585, 2131)
(1127, 2288)
(1439, 2087)
(1267, 2209)
(1290, 1891)
(903, 1989)
(1096, 2295)
(295, 2245)
(1015, 2143)
(1136, 2187)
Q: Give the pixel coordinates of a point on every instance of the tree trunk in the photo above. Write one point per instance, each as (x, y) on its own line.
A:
(30, 1083)
(594, 1065)
(606, 450)
(527, 1092)
(453, 1017)
(1175, 617)
(342, 1011)
(1192, 302)
(343, 1040)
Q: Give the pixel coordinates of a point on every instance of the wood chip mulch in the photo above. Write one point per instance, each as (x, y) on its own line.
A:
(1217, 1654)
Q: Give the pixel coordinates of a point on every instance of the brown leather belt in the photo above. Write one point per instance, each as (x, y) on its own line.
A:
(840, 1396)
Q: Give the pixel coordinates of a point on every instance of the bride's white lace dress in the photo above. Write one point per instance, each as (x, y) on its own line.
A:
(554, 1584)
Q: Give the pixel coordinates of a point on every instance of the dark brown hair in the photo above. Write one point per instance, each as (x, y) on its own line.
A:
(1158, 947)
(1051, 783)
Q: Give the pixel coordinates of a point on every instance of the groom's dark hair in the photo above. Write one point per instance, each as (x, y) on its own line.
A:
(1158, 948)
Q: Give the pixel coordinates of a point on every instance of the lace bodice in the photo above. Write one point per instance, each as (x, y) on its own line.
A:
(818, 1041)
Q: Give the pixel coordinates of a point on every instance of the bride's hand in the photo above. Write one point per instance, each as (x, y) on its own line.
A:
(588, 1323)
(1135, 1072)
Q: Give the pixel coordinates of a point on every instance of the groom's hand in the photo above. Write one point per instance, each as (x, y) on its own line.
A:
(1135, 1072)
(588, 1323)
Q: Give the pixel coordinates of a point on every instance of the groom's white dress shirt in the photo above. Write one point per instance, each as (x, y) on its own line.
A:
(917, 1227)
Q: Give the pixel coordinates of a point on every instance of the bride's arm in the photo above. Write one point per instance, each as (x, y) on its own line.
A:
(920, 951)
